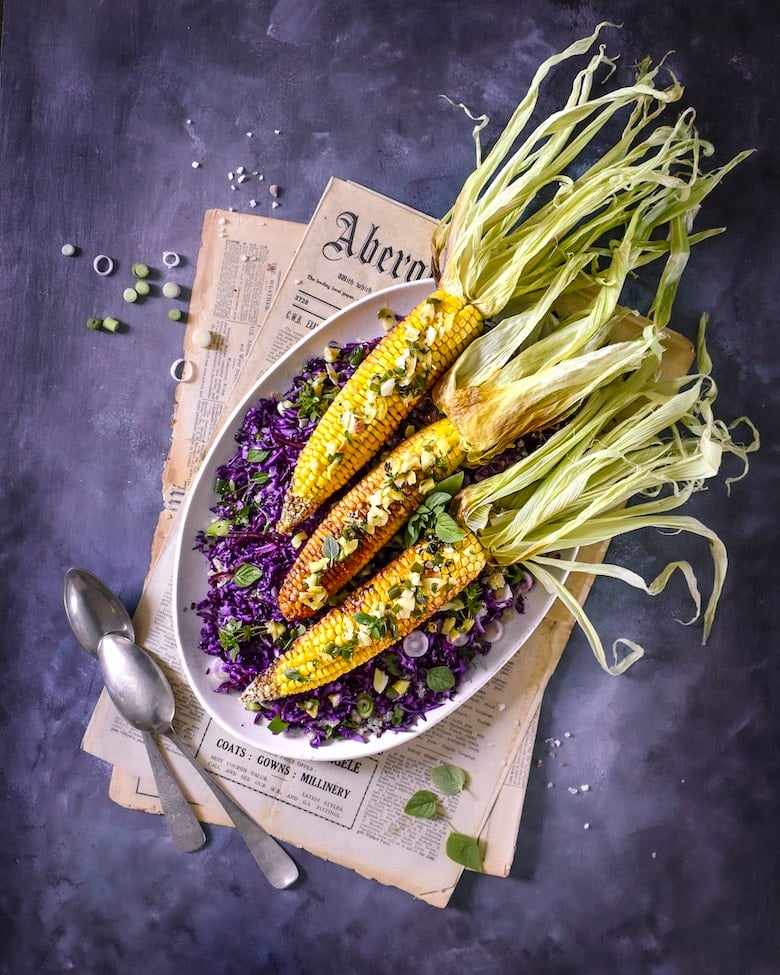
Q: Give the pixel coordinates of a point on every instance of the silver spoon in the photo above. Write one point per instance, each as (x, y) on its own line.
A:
(142, 692)
(92, 611)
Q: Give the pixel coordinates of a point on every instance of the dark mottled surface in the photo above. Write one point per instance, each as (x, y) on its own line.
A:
(678, 872)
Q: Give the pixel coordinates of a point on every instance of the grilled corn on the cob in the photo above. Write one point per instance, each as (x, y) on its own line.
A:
(367, 517)
(384, 389)
(396, 601)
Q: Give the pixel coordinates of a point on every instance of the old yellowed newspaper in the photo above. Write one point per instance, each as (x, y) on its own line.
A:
(348, 812)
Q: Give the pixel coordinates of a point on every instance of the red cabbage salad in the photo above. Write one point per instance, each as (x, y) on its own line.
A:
(243, 629)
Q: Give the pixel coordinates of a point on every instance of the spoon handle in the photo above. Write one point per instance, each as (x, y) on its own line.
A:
(279, 869)
(186, 832)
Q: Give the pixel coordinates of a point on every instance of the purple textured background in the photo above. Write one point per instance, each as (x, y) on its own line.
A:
(678, 872)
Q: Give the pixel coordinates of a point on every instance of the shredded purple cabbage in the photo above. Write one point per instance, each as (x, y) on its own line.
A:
(251, 489)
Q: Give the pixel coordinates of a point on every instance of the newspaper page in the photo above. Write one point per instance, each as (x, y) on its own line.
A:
(357, 806)
(239, 269)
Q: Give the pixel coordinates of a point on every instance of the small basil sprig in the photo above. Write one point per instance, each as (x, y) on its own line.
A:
(431, 516)
(425, 804)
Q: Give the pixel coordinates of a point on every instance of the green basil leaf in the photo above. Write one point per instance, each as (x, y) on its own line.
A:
(449, 778)
(440, 678)
(464, 850)
(330, 548)
(447, 529)
(256, 456)
(365, 619)
(422, 804)
(437, 499)
(452, 484)
(246, 574)
(413, 530)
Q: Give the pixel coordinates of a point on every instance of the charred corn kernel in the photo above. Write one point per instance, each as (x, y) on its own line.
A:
(367, 622)
(317, 474)
(367, 517)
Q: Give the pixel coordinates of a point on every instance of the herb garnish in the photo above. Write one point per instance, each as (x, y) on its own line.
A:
(431, 517)
(425, 804)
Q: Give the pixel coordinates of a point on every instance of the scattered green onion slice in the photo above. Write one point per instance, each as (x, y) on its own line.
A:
(171, 289)
(182, 371)
(111, 324)
(130, 295)
(68, 250)
(142, 288)
(364, 705)
(140, 271)
(94, 323)
(103, 265)
(175, 314)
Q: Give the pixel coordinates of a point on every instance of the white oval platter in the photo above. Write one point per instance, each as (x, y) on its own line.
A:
(355, 323)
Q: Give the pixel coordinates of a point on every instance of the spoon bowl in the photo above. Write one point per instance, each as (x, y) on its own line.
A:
(93, 610)
(136, 684)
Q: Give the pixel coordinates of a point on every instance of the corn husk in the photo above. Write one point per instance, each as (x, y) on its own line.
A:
(637, 450)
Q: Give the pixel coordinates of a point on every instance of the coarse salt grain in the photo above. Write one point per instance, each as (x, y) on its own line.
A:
(572, 791)
(586, 825)
(195, 164)
(584, 788)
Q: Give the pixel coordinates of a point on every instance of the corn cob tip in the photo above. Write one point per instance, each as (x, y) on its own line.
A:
(294, 510)
(259, 690)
